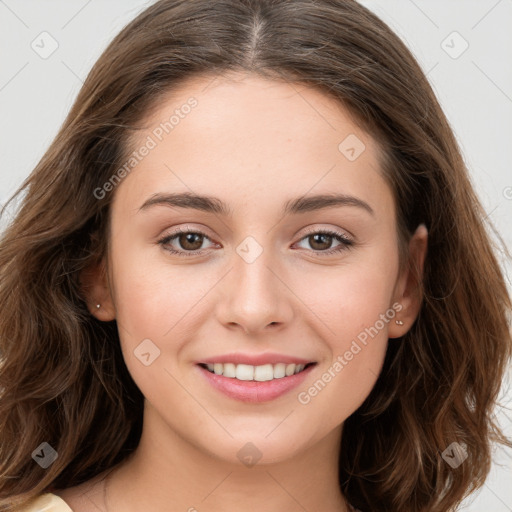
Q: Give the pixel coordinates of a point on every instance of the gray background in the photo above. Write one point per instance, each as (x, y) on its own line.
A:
(473, 85)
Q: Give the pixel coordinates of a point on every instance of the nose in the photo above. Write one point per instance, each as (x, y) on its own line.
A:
(255, 296)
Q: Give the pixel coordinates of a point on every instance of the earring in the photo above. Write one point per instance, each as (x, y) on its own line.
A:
(399, 322)
(98, 306)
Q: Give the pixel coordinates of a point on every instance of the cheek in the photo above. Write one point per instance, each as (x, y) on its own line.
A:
(350, 298)
(155, 307)
(354, 303)
(154, 298)
(160, 309)
(362, 320)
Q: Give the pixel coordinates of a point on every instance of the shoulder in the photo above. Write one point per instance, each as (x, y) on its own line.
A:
(47, 503)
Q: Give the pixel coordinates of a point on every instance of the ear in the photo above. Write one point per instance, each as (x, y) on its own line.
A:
(96, 290)
(408, 289)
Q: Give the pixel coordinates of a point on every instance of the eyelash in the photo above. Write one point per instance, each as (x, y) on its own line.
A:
(345, 242)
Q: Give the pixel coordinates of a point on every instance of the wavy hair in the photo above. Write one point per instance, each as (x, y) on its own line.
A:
(62, 376)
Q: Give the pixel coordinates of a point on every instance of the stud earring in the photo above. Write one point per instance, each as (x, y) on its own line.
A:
(98, 306)
(399, 322)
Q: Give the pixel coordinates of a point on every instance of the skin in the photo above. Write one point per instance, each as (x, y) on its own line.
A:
(254, 144)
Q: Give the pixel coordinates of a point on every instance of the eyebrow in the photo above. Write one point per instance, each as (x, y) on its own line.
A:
(214, 205)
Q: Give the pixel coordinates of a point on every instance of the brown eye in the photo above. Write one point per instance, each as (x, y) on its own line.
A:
(184, 243)
(190, 241)
(321, 242)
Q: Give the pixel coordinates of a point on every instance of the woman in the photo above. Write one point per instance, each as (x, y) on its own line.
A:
(250, 272)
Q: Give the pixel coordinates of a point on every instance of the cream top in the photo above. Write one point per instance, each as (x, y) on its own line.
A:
(48, 503)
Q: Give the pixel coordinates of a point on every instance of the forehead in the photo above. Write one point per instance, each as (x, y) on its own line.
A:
(247, 104)
(255, 137)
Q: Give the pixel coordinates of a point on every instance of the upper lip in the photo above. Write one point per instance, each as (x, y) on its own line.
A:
(255, 359)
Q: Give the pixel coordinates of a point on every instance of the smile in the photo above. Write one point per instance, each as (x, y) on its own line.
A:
(262, 373)
(255, 384)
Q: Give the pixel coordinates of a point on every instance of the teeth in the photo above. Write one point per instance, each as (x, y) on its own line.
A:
(279, 370)
(244, 372)
(229, 370)
(258, 373)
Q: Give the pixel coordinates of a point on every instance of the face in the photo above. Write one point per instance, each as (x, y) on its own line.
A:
(275, 276)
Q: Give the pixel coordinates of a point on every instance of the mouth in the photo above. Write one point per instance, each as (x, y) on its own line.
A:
(255, 384)
(261, 373)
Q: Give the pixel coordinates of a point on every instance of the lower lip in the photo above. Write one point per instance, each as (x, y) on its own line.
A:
(255, 391)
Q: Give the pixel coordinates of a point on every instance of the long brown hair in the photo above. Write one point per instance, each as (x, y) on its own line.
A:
(63, 380)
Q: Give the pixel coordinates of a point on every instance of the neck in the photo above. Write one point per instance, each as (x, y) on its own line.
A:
(188, 479)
